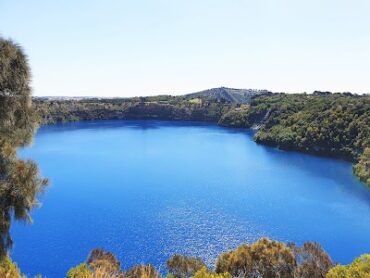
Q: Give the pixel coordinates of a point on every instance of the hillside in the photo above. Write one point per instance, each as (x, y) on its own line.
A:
(228, 95)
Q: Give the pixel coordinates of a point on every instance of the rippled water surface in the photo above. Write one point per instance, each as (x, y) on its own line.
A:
(146, 189)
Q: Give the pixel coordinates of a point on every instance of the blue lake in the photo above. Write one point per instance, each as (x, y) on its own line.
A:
(145, 190)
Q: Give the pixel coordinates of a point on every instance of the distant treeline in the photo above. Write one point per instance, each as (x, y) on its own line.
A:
(322, 123)
(160, 107)
(265, 258)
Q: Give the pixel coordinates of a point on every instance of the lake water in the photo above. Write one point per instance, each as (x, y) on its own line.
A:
(145, 190)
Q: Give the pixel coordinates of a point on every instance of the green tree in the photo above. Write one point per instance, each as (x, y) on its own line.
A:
(359, 268)
(20, 182)
(362, 168)
(80, 271)
(8, 269)
(205, 273)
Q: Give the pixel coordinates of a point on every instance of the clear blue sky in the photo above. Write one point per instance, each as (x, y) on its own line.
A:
(143, 47)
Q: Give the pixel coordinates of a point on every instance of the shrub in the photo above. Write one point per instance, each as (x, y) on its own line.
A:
(183, 266)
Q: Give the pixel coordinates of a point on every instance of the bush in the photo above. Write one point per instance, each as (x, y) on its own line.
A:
(8, 269)
(142, 271)
(359, 268)
(80, 271)
(183, 266)
(264, 258)
(205, 273)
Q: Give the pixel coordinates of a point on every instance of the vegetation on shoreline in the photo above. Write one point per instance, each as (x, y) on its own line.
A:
(264, 258)
(334, 125)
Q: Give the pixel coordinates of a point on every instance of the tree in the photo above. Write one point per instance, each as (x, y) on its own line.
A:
(142, 271)
(9, 269)
(99, 258)
(20, 182)
(205, 273)
(359, 268)
(362, 168)
(264, 258)
(99, 264)
(183, 266)
(80, 271)
(312, 260)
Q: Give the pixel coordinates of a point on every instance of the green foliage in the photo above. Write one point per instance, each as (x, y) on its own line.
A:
(9, 269)
(195, 101)
(362, 168)
(205, 273)
(359, 268)
(184, 267)
(238, 117)
(336, 125)
(80, 271)
(160, 108)
(19, 180)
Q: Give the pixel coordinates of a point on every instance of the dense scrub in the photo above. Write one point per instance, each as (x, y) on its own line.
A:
(19, 179)
(362, 168)
(265, 258)
(360, 268)
(336, 125)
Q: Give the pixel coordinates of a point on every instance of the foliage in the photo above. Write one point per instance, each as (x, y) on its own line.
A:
(333, 125)
(238, 117)
(359, 268)
(336, 125)
(205, 273)
(19, 180)
(99, 264)
(99, 258)
(80, 271)
(264, 258)
(362, 168)
(9, 269)
(312, 260)
(160, 108)
(184, 267)
(142, 271)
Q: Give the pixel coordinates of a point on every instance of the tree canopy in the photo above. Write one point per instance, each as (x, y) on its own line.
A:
(20, 182)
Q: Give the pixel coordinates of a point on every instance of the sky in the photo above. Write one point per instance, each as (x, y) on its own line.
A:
(146, 47)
